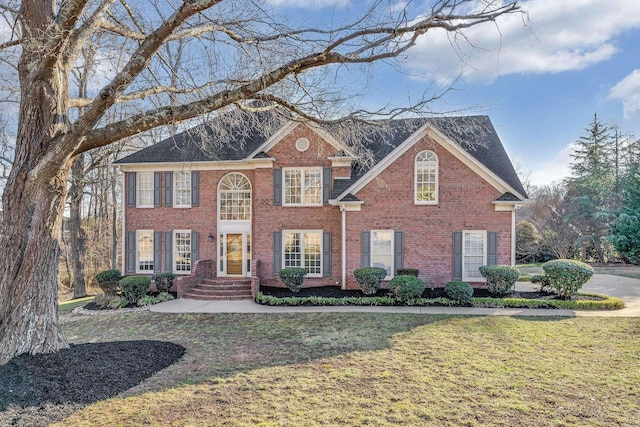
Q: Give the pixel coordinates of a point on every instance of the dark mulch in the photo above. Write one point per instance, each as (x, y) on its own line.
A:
(336, 292)
(79, 375)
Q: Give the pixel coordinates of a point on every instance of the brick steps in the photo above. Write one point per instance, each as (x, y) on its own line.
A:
(220, 290)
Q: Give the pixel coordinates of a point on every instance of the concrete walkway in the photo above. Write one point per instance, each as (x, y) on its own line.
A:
(625, 288)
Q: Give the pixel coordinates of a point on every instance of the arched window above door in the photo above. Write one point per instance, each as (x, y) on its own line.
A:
(234, 198)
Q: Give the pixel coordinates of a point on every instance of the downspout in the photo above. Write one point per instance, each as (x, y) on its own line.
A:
(344, 247)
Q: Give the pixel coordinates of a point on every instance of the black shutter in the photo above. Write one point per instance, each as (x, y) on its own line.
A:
(277, 187)
(326, 254)
(168, 188)
(365, 249)
(157, 189)
(168, 251)
(157, 251)
(457, 255)
(492, 248)
(195, 247)
(131, 188)
(195, 188)
(130, 267)
(398, 250)
(326, 185)
(277, 252)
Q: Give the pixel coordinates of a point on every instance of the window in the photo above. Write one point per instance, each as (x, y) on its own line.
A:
(182, 251)
(382, 250)
(182, 189)
(474, 253)
(144, 252)
(234, 195)
(303, 187)
(303, 249)
(145, 189)
(426, 178)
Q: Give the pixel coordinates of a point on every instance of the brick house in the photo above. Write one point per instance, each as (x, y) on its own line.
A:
(437, 194)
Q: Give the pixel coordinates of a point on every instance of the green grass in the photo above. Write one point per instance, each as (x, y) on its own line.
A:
(68, 306)
(315, 369)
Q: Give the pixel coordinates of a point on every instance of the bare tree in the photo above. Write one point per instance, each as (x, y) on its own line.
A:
(238, 50)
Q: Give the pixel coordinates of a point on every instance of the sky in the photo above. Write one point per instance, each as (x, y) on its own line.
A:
(540, 80)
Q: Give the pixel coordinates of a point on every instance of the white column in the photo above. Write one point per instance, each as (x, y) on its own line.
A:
(124, 229)
(513, 237)
(344, 247)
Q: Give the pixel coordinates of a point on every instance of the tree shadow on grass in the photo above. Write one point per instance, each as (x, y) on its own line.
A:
(82, 374)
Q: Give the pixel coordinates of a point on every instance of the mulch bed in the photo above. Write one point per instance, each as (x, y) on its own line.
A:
(33, 386)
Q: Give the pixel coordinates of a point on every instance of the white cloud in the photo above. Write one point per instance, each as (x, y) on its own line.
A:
(555, 169)
(627, 90)
(308, 4)
(560, 36)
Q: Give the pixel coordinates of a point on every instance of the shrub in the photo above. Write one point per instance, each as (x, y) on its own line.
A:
(567, 276)
(406, 288)
(108, 281)
(461, 292)
(147, 300)
(164, 296)
(543, 281)
(134, 287)
(118, 302)
(369, 278)
(110, 302)
(500, 278)
(164, 281)
(293, 277)
(407, 272)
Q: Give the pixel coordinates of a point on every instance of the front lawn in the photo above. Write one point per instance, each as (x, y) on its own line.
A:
(366, 368)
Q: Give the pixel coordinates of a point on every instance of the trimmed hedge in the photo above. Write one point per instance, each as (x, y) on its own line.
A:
(461, 292)
(164, 281)
(500, 278)
(567, 276)
(408, 272)
(293, 277)
(606, 303)
(369, 279)
(406, 288)
(135, 287)
(108, 276)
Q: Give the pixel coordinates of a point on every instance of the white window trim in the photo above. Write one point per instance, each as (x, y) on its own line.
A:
(138, 175)
(175, 189)
(302, 236)
(250, 191)
(302, 172)
(393, 243)
(484, 254)
(138, 271)
(175, 252)
(415, 180)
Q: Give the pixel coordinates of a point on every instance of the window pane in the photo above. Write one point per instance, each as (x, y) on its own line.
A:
(382, 250)
(292, 250)
(312, 187)
(292, 187)
(183, 188)
(145, 189)
(145, 251)
(426, 177)
(473, 254)
(182, 251)
(235, 198)
(312, 253)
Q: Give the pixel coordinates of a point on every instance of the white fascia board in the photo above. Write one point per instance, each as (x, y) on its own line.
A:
(263, 163)
(446, 143)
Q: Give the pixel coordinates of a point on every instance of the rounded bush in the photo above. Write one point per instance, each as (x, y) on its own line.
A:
(461, 292)
(500, 278)
(369, 278)
(135, 287)
(542, 280)
(108, 281)
(408, 272)
(293, 277)
(567, 276)
(406, 288)
(164, 281)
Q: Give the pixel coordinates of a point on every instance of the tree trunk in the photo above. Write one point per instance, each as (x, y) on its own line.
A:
(76, 233)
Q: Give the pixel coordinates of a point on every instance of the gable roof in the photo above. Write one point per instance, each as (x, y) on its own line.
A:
(245, 137)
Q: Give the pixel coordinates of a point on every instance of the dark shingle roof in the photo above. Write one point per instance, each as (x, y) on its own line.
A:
(508, 197)
(235, 136)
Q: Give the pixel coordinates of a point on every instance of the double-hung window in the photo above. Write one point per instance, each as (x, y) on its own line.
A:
(474, 254)
(144, 251)
(145, 189)
(426, 178)
(182, 189)
(382, 250)
(181, 251)
(303, 249)
(302, 186)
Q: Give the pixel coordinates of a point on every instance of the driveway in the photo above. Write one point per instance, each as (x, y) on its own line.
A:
(625, 288)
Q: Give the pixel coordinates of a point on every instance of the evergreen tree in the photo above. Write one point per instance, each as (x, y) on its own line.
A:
(625, 230)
